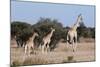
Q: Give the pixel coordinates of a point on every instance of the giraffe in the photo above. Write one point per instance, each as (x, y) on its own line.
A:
(72, 33)
(30, 43)
(46, 40)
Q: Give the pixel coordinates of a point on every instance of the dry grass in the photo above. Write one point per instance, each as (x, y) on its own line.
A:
(62, 54)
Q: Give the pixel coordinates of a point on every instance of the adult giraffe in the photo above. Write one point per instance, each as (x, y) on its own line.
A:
(72, 33)
(30, 43)
(46, 40)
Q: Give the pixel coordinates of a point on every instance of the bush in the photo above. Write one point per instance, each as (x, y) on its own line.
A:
(42, 27)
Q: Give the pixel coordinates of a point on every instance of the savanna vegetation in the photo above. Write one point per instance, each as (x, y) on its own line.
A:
(23, 30)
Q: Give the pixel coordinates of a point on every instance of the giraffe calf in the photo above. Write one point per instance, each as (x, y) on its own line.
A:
(30, 44)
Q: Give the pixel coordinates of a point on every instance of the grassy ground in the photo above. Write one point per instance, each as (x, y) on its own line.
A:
(62, 54)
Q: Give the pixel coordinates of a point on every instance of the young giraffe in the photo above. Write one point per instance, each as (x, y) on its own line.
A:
(72, 33)
(47, 40)
(30, 43)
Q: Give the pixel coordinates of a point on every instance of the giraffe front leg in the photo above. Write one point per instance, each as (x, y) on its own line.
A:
(26, 48)
(29, 52)
(33, 50)
(73, 46)
(43, 48)
(67, 39)
(40, 47)
(48, 49)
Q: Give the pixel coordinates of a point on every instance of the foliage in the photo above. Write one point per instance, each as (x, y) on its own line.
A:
(87, 32)
(42, 27)
(18, 27)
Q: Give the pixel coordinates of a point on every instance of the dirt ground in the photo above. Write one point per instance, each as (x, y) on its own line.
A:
(61, 54)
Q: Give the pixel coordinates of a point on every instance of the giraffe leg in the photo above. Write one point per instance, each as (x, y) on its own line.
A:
(73, 49)
(75, 41)
(33, 49)
(26, 48)
(67, 39)
(29, 52)
(40, 47)
(43, 47)
(48, 48)
(73, 46)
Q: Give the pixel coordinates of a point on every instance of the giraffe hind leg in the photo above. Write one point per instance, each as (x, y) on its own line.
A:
(29, 52)
(26, 49)
(73, 46)
(43, 47)
(48, 47)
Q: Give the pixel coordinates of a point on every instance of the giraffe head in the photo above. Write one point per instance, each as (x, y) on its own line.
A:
(52, 29)
(36, 34)
(78, 22)
(80, 19)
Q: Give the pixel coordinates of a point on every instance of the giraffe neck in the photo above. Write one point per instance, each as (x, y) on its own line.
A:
(33, 37)
(50, 35)
(75, 27)
(76, 24)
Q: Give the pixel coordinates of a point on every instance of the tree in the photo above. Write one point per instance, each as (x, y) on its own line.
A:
(18, 27)
(86, 32)
(22, 31)
(42, 27)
